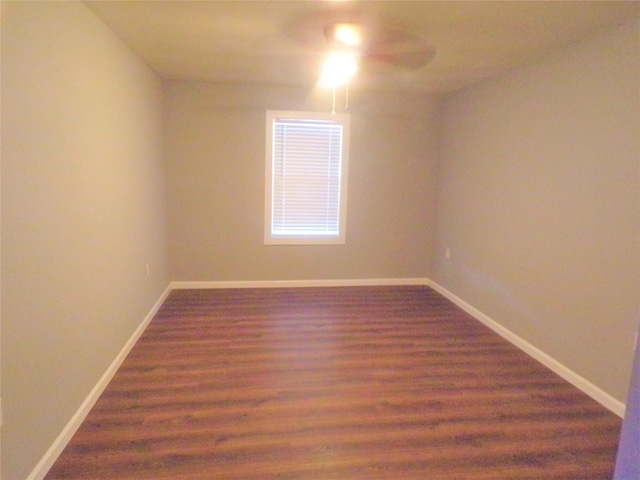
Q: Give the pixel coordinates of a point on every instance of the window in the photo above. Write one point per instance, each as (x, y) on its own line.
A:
(306, 177)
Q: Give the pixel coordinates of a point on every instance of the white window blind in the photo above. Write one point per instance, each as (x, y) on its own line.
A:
(307, 178)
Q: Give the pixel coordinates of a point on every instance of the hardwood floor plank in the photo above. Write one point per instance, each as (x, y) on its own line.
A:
(334, 383)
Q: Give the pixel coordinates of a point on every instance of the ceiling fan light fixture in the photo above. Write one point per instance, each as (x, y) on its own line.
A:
(347, 35)
(339, 68)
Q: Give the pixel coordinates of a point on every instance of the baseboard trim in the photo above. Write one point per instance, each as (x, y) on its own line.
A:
(353, 282)
(49, 458)
(566, 373)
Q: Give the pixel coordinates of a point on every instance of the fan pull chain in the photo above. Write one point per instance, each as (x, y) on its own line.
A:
(346, 96)
(333, 108)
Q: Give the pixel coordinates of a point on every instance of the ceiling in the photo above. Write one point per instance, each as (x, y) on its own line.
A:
(282, 42)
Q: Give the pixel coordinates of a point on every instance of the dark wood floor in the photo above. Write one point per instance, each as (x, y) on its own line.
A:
(334, 383)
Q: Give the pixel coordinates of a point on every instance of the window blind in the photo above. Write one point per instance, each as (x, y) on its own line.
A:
(306, 170)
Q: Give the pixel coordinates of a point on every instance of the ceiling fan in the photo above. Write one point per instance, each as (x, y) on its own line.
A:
(390, 46)
(372, 43)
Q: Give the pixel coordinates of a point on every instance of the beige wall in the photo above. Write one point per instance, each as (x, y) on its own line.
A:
(215, 172)
(82, 213)
(538, 201)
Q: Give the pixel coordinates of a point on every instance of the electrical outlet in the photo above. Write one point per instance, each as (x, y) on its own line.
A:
(447, 253)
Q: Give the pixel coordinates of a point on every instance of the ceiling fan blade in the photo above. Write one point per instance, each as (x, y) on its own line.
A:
(400, 49)
(410, 59)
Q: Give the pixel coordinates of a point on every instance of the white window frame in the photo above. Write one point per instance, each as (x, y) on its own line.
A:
(271, 238)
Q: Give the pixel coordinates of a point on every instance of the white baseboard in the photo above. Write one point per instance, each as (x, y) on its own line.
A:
(49, 458)
(357, 282)
(569, 375)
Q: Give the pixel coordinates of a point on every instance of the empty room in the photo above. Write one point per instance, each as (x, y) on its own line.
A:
(319, 240)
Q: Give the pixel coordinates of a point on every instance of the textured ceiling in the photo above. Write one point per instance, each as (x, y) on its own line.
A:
(282, 42)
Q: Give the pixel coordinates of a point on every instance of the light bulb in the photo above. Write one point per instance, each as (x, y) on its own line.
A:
(347, 34)
(338, 69)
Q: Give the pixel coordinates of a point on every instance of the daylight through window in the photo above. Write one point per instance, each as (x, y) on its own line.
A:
(306, 177)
